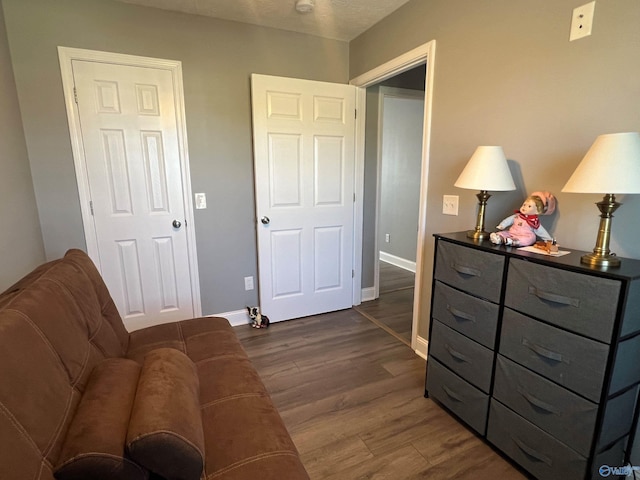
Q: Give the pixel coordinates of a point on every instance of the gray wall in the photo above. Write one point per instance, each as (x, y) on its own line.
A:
(369, 253)
(217, 59)
(506, 74)
(401, 163)
(21, 240)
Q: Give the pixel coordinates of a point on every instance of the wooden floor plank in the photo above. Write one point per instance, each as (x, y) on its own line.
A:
(345, 453)
(352, 397)
(393, 309)
(392, 278)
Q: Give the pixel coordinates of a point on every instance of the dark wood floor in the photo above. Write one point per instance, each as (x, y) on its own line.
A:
(393, 309)
(351, 396)
(394, 278)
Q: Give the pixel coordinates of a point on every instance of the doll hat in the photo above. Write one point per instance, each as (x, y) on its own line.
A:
(549, 202)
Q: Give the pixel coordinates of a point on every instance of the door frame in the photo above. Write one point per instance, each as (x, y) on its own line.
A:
(66, 55)
(424, 53)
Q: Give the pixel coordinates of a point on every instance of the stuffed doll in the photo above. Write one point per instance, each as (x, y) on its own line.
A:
(524, 225)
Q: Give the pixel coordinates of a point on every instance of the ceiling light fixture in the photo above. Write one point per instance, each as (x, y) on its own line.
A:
(304, 6)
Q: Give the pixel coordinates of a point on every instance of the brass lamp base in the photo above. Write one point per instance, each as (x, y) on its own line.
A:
(602, 256)
(598, 260)
(479, 234)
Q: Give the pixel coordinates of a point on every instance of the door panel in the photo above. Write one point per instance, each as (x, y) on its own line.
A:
(128, 119)
(304, 167)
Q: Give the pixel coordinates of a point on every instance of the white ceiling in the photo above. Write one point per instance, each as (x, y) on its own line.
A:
(336, 19)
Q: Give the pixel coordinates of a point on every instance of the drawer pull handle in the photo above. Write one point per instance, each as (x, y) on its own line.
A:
(532, 452)
(451, 394)
(536, 402)
(474, 272)
(541, 351)
(554, 297)
(460, 314)
(455, 354)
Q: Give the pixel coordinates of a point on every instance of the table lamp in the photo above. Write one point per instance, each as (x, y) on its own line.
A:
(486, 170)
(612, 165)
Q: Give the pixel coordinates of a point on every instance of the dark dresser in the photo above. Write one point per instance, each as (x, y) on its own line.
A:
(538, 354)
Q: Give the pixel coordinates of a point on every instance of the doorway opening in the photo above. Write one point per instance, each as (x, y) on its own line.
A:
(422, 56)
(393, 156)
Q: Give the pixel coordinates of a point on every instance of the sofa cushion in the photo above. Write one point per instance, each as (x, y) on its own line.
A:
(111, 325)
(94, 446)
(234, 451)
(178, 335)
(165, 431)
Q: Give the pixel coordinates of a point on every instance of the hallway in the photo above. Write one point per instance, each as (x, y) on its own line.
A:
(393, 309)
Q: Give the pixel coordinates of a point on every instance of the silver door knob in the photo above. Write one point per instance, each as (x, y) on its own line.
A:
(176, 224)
(265, 220)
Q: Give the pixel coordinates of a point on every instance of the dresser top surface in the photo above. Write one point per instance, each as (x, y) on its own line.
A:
(628, 270)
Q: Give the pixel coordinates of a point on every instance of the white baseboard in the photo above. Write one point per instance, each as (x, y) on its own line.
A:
(397, 261)
(421, 347)
(368, 294)
(236, 318)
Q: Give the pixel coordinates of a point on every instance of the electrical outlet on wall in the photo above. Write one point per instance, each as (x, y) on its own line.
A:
(582, 21)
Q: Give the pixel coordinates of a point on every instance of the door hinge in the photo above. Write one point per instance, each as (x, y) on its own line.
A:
(91, 206)
(75, 95)
(353, 273)
(354, 198)
(355, 114)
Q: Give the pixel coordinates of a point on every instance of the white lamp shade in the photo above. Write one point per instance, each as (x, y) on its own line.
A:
(486, 170)
(612, 165)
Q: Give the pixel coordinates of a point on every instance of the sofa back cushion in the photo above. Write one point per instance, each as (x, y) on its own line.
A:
(55, 327)
(108, 323)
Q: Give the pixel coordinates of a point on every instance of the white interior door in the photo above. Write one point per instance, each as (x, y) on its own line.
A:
(129, 133)
(304, 168)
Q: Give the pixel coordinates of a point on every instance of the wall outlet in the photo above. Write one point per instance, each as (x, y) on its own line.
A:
(450, 204)
(387, 237)
(248, 283)
(582, 21)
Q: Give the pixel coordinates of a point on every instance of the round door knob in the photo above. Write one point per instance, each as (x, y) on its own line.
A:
(265, 220)
(176, 224)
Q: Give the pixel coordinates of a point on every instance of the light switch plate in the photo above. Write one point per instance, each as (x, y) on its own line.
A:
(201, 201)
(450, 204)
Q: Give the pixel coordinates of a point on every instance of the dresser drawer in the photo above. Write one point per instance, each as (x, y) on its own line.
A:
(574, 362)
(565, 415)
(613, 456)
(476, 272)
(577, 302)
(463, 399)
(469, 359)
(535, 450)
(472, 316)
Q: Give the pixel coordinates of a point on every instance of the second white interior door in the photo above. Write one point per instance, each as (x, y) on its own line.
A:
(304, 134)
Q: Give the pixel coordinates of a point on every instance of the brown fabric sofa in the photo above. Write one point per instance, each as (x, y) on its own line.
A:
(59, 323)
